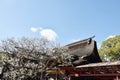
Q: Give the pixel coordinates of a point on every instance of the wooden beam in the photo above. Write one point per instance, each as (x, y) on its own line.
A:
(107, 75)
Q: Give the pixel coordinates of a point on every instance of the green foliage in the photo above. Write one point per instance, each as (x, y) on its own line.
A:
(110, 49)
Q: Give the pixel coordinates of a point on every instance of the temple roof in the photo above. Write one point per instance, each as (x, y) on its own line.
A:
(85, 51)
(101, 64)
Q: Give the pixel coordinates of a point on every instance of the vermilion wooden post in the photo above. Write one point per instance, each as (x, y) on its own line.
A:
(94, 70)
(56, 79)
(117, 77)
(112, 70)
(69, 78)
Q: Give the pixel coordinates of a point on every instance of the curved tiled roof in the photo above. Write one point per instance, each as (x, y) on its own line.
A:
(85, 51)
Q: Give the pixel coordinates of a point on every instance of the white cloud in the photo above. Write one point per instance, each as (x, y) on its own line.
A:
(111, 36)
(50, 34)
(41, 28)
(33, 29)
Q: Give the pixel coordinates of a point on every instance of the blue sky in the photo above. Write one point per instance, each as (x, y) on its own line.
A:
(68, 20)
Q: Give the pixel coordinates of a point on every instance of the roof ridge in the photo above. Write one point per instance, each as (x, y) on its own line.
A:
(80, 41)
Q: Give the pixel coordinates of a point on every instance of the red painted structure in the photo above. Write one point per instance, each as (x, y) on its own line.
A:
(95, 71)
(88, 65)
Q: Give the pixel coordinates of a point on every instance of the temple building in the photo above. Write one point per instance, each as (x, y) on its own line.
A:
(87, 64)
